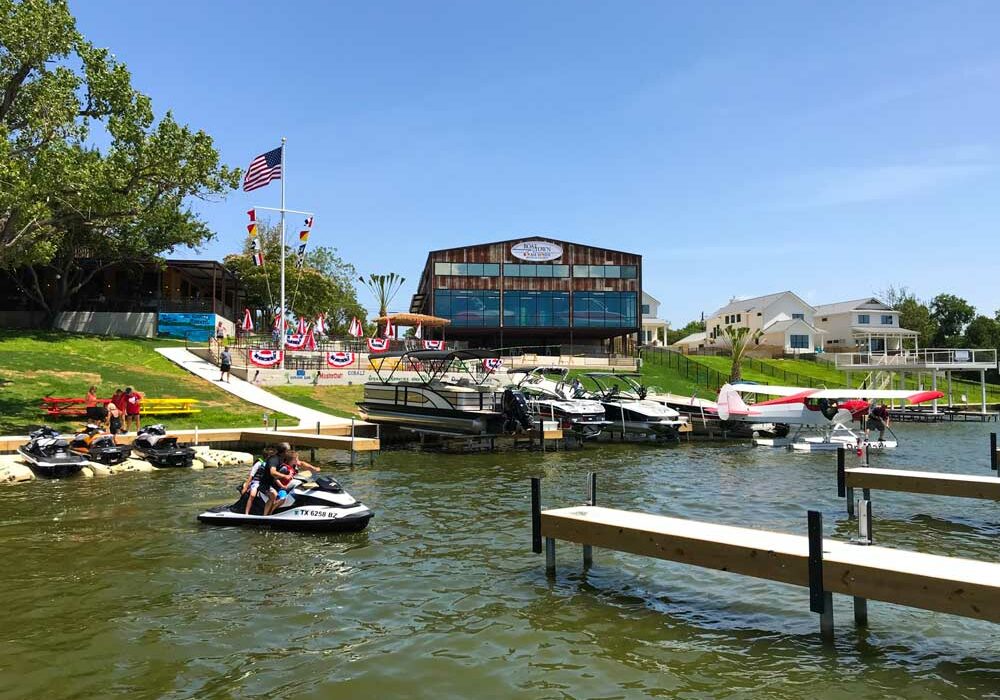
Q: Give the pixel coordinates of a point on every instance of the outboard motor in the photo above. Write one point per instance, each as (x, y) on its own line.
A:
(515, 411)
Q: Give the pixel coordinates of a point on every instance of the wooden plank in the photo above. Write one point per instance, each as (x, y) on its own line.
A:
(943, 584)
(931, 483)
(332, 442)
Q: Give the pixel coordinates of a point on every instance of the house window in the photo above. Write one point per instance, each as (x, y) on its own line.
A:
(801, 317)
(824, 319)
(799, 341)
(886, 319)
(864, 318)
(739, 317)
(645, 309)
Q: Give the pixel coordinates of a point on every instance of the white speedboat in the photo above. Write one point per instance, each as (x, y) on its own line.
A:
(550, 396)
(627, 410)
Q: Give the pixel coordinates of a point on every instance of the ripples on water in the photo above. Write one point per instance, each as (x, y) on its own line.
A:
(113, 588)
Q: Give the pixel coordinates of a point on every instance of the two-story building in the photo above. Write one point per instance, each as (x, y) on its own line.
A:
(865, 325)
(654, 328)
(784, 319)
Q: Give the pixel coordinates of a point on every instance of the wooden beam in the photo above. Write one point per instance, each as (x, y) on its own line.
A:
(943, 584)
(931, 483)
(331, 442)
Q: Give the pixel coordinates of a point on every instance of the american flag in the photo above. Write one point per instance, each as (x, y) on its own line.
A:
(262, 170)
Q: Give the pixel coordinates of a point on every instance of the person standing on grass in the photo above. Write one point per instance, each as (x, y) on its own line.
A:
(92, 411)
(133, 408)
(225, 363)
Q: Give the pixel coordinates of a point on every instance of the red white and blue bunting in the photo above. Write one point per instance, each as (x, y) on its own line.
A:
(492, 364)
(300, 341)
(378, 344)
(265, 358)
(341, 359)
(433, 345)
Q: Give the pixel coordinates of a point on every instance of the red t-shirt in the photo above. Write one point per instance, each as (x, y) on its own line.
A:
(133, 402)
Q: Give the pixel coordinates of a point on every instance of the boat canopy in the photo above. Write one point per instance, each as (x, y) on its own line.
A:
(430, 364)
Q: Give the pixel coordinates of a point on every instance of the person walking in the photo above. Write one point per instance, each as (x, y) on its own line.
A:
(133, 408)
(225, 364)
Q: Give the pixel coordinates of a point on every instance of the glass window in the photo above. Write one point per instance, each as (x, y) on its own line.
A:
(645, 309)
(467, 269)
(612, 271)
(560, 270)
(799, 341)
(799, 316)
(491, 269)
(468, 307)
(528, 270)
(886, 319)
(864, 318)
(629, 272)
(581, 270)
(511, 270)
(442, 268)
(605, 309)
(535, 309)
(739, 317)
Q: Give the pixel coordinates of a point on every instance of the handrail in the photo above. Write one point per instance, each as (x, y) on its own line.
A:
(915, 358)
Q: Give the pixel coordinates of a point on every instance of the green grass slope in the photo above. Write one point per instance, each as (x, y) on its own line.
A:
(38, 364)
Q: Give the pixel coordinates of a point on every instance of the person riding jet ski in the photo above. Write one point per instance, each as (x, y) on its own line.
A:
(49, 455)
(99, 446)
(160, 449)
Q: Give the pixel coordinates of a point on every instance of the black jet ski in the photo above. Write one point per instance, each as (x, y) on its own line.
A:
(49, 454)
(319, 506)
(99, 446)
(160, 449)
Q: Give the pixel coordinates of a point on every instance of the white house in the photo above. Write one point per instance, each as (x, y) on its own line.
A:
(787, 323)
(654, 329)
(865, 325)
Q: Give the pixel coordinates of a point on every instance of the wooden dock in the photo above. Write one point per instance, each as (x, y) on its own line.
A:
(930, 582)
(304, 439)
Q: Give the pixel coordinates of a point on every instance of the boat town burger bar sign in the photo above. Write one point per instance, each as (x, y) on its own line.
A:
(536, 251)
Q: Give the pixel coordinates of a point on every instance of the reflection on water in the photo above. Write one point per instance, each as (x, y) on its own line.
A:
(115, 589)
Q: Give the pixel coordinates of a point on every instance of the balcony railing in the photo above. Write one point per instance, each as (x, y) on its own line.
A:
(925, 357)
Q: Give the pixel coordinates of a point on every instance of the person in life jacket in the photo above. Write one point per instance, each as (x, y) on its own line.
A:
(270, 474)
(252, 483)
(878, 418)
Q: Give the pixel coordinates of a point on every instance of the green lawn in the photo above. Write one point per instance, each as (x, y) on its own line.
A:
(337, 400)
(36, 364)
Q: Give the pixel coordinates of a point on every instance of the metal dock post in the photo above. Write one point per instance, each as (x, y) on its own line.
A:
(588, 550)
(820, 600)
(993, 452)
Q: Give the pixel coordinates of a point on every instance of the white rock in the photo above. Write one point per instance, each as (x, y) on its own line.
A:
(14, 473)
(197, 464)
(87, 472)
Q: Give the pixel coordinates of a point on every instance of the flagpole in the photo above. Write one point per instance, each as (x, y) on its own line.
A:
(281, 326)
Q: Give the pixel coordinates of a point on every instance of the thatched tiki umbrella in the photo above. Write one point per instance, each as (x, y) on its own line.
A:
(413, 320)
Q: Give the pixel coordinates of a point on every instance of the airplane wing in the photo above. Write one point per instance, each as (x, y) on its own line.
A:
(771, 389)
(914, 397)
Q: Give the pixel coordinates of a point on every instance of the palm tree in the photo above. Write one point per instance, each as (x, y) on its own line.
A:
(739, 339)
(384, 288)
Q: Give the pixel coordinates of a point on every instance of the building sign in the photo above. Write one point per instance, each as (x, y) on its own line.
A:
(196, 327)
(537, 251)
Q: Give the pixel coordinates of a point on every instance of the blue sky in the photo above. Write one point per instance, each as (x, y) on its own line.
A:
(741, 148)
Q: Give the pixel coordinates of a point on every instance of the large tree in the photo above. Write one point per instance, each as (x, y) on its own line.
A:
(914, 314)
(952, 314)
(323, 284)
(692, 327)
(86, 170)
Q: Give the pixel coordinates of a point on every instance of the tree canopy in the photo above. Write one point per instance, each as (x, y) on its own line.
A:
(86, 169)
(324, 283)
(952, 314)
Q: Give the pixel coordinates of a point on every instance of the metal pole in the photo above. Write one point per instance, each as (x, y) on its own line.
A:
(982, 388)
(993, 451)
(588, 550)
(281, 341)
(550, 556)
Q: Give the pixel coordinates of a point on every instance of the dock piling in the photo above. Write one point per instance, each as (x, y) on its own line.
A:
(536, 515)
(841, 478)
(865, 521)
(820, 600)
(993, 452)
(550, 556)
(588, 550)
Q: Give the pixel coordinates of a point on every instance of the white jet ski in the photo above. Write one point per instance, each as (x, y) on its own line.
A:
(319, 506)
(49, 454)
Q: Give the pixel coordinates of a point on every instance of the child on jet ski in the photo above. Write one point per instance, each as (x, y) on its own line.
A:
(289, 470)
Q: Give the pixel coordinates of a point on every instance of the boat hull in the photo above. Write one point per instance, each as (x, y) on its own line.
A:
(57, 467)
(444, 420)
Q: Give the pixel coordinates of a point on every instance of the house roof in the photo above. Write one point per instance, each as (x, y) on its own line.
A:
(882, 330)
(842, 307)
(647, 295)
(693, 338)
(532, 238)
(747, 305)
(787, 324)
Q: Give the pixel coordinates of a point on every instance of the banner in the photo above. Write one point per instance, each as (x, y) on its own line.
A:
(295, 341)
(340, 359)
(356, 330)
(433, 345)
(390, 330)
(247, 321)
(492, 364)
(320, 324)
(419, 333)
(378, 344)
(303, 326)
(265, 358)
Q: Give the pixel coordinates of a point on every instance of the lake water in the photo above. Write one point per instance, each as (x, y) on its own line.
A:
(112, 588)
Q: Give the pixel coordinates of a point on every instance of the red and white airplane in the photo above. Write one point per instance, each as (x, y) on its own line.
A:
(828, 410)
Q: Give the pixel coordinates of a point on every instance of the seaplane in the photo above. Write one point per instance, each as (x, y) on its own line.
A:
(828, 414)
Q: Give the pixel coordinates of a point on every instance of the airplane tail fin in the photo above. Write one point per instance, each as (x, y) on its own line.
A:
(731, 403)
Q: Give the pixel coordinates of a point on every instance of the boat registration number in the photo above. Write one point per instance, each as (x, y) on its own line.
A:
(314, 513)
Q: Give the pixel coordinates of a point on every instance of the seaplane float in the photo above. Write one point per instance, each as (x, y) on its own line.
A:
(822, 418)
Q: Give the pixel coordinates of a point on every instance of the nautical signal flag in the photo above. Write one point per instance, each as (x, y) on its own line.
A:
(258, 259)
(255, 244)
(309, 222)
(303, 236)
(252, 230)
(252, 213)
(263, 169)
